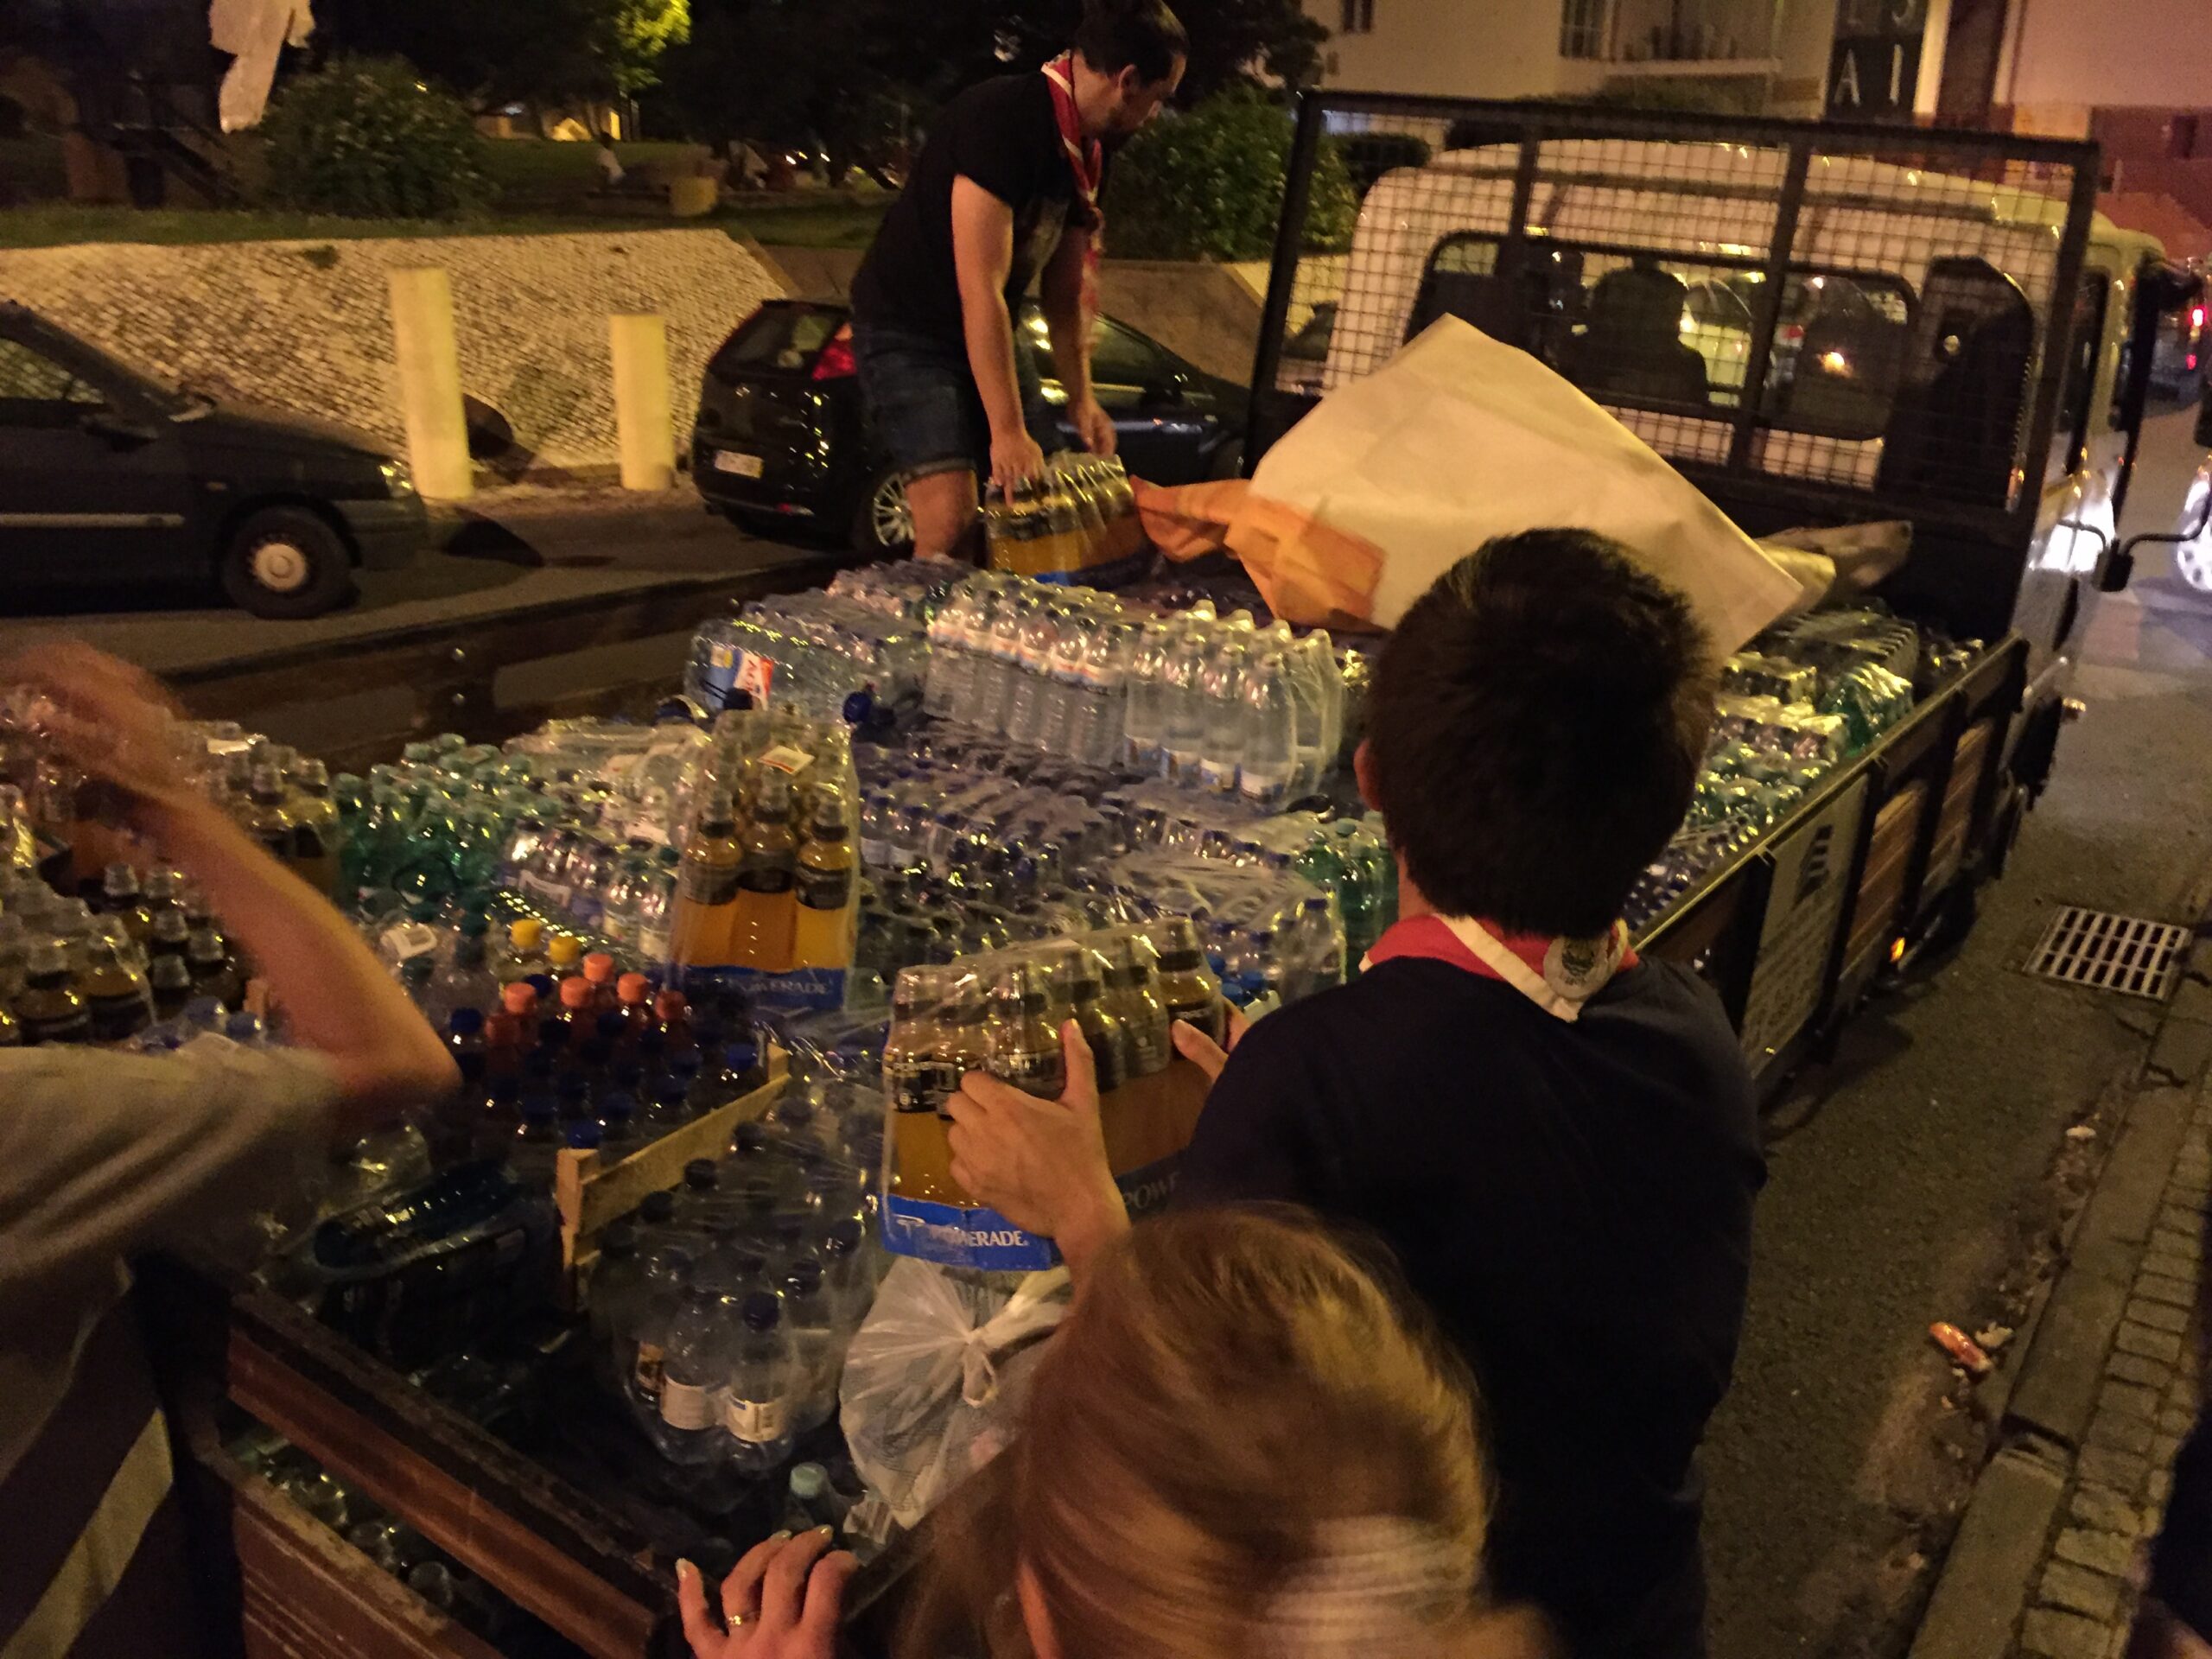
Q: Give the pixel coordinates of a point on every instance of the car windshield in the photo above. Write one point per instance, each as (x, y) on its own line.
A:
(89, 361)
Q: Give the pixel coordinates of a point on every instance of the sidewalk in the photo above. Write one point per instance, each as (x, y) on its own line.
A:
(2047, 1562)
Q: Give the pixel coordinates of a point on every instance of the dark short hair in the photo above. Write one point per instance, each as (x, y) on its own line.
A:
(1114, 34)
(1534, 730)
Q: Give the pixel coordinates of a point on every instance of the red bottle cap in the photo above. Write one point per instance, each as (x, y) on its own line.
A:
(632, 990)
(598, 968)
(576, 992)
(520, 997)
(670, 1005)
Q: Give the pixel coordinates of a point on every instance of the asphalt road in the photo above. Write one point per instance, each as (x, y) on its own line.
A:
(1921, 1178)
(506, 551)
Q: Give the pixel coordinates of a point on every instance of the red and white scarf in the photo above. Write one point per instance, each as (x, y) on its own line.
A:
(1558, 974)
(1087, 161)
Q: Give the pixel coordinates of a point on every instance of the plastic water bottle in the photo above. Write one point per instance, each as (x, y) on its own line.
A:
(1031, 685)
(632, 874)
(615, 1283)
(1221, 689)
(1317, 946)
(1064, 683)
(1268, 762)
(762, 1381)
(809, 1310)
(1183, 708)
(1144, 715)
(693, 1369)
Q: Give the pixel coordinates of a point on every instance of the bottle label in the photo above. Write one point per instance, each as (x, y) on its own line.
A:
(709, 885)
(686, 1405)
(825, 889)
(1111, 1059)
(653, 940)
(772, 873)
(785, 759)
(646, 1372)
(1218, 774)
(756, 1422)
(410, 939)
(1042, 1072)
(919, 1084)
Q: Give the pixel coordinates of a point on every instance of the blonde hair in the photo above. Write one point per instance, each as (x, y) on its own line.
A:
(1233, 1398)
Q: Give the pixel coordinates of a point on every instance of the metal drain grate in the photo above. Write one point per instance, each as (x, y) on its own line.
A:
(2112, 953)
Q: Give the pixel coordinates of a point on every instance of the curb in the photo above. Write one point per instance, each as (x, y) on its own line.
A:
(1986, 1578)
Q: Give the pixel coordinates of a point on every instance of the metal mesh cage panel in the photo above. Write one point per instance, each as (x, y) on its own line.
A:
(1839, 309)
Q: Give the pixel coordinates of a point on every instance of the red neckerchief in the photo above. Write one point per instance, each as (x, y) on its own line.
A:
(1558, 974)
(1087, 161)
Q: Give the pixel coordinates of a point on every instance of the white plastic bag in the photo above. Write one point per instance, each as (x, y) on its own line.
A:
(1459, 438)
(935, 1379)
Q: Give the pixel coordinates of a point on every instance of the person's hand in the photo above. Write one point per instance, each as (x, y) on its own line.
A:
(1016, 458)
(1096, 428)
(1201, 1050)
(108, 719)
(1039, 1163)
(781, 1601)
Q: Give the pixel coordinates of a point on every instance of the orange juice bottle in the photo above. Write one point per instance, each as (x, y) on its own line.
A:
(821, 927)
(767, 880)
(706, 888)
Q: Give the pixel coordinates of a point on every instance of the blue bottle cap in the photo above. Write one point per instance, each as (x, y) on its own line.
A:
(685, 1065)
(802, 1278)
(741, 1056)
(617, 1106)
(466, 1022)
(243, 1028)
(628, 1074)
(585, 1135)
(859, 708)
(671, 1092)
(611, 1026)
(761, 1310)
(540, 1108)
(545, 986)
(572, 1085)
(205, 1013)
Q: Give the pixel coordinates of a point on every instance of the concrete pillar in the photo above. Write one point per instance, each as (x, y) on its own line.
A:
(639, 342)
(429, 384)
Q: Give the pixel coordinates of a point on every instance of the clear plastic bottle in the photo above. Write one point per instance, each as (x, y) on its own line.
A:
(827, 892)
(1221, 689)
(662, 1281)
(1318, 946)
(1183, 706)
(1030, 688)
(657, 908)
(1144, 711)
(707, 894)
(625, 888)
(809, 1310)
(1268, 762)
(466, 981)
(694, 1372)
(766, 900)
(762, 1382)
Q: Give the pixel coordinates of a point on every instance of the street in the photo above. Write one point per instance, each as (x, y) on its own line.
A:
(506, 549)
(1922, 1176)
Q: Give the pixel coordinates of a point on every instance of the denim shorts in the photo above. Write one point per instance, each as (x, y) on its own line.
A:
(923, 405)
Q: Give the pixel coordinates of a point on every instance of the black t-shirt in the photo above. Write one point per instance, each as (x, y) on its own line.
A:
(1573, 1202)
(1003, 135)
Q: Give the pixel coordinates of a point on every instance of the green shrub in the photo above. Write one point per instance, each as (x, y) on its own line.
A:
(368, 138)
(1208, 185)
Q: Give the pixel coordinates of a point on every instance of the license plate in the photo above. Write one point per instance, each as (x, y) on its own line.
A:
(728, 461)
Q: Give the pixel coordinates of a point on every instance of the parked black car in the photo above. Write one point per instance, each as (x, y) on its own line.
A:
(782, 438)
(109, 478)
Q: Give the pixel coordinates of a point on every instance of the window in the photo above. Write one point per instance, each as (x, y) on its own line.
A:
(36, 391)
(1118, 357)
(1356, 17)
(1585, 28)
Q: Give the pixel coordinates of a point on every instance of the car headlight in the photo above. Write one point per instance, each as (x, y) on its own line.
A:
(398, 481)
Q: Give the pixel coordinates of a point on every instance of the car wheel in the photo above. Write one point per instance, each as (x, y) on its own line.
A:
(883, 525)
(1227, 460)
(287, 562)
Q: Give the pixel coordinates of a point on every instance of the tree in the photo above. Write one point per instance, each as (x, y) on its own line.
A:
(1232, 41)
(498, 52)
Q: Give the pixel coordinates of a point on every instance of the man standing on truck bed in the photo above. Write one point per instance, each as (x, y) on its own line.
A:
(1007, 188)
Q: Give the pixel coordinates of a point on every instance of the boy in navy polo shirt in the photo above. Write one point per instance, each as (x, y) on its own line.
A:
(1557, 1141)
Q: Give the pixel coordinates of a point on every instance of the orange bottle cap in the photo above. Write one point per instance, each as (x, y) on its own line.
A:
(671, 1005)
(576, 992)
(632, 987)
(598, 968)
(521, 997)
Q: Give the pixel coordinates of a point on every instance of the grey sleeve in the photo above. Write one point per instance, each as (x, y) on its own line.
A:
(103, 1152)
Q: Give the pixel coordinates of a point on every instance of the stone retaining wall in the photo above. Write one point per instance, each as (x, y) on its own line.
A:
(306, 326)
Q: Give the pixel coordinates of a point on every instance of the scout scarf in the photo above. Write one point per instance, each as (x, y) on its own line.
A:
(1087, 161)
(1558, 974)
